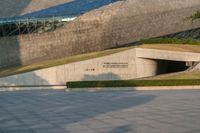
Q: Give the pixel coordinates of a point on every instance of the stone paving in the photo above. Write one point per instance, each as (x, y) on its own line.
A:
(100, 112)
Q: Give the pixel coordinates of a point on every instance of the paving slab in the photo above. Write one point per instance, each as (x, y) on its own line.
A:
(57, 111)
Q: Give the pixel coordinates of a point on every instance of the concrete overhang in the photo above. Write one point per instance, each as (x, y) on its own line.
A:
(167, 55)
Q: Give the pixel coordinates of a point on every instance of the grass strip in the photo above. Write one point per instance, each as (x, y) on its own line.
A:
(133, 83)
(195, 16)
(170, 41)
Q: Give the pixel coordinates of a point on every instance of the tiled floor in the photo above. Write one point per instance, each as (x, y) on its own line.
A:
(100, 112)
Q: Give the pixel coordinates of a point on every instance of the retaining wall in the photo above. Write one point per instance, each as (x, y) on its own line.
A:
(119, 66)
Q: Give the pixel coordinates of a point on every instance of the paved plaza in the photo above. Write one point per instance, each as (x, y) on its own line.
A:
(51, 111)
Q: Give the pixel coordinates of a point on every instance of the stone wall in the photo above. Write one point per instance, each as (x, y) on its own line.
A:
(112, 26)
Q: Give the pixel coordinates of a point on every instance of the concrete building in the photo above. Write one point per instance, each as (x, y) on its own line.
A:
(128, 64)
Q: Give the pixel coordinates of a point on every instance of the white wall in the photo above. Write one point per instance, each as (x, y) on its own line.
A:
(113, 67)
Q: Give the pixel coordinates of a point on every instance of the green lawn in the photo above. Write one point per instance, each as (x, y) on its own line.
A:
(170, 41)
(133, 83)
(173, 47)
(177, 76)
(173, 79)
(195, 16)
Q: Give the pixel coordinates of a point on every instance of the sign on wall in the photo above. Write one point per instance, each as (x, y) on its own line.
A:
(115, 65)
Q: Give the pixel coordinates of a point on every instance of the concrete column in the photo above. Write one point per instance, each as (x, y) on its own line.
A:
(146, 67)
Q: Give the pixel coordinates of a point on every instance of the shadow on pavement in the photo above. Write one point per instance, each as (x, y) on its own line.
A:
(60, 110)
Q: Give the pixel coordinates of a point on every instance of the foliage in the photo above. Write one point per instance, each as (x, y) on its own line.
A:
(133, 83)
(195, 16)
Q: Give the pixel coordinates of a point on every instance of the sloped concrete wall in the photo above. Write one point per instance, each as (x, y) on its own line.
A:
(113, 67)
(112, 26)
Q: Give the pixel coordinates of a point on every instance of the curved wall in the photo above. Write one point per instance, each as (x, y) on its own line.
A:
(115, 25)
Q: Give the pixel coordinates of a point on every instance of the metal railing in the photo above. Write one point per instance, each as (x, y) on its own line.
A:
(17, 26)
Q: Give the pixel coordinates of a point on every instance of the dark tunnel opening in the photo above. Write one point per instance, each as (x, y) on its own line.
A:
(168, 66)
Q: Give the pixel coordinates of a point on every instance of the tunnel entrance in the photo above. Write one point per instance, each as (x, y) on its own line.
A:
(168, 66)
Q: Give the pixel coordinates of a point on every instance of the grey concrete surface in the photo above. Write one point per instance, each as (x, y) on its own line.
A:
(167, 55)
(102, 112)
(93, 69)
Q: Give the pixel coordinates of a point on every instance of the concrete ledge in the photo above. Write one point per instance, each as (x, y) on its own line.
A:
(167, 55)
(15, 88)
(161, 88)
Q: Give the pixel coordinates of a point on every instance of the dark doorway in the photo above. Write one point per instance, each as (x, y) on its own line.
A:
(168, 66)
